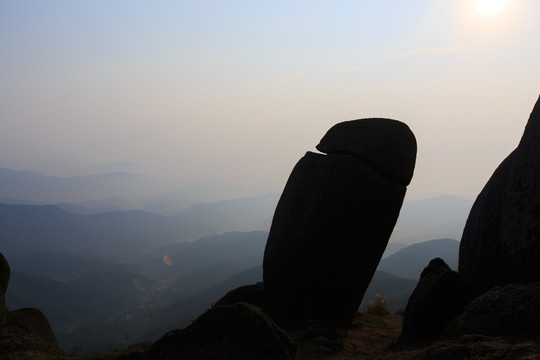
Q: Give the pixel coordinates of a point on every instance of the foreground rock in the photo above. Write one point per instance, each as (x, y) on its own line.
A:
(500, 247)
(252, 294)
(26, 330)
(439, 297)
(501, 239)
(31, 321)
(4, 280)
(334, 219)
(471, 347)
(510, 311)
(240, 332)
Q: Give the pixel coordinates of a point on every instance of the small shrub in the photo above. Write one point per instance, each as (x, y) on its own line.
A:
(377, 306)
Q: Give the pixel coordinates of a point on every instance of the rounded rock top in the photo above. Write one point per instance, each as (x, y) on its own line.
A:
(389, 146)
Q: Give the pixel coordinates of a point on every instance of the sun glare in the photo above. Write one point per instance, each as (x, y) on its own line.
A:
(167, 260)
(489, 7)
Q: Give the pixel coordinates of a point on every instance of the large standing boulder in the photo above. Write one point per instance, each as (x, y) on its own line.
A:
(334, 219)
(501, 239)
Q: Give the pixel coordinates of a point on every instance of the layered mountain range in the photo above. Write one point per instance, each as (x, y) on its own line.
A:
(108, 258)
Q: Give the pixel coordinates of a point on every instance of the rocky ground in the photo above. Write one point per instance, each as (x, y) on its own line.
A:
(371, 337)
(367, 338)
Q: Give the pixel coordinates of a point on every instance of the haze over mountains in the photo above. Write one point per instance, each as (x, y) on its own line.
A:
(147, 298)
(435, 218)
(113, 191)
(236, 208)
(121, 256)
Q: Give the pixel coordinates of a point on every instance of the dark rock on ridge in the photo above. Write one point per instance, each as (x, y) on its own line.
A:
(440, 296)
(4, 280)
(5, 273)
(479, 347)
(480, 251)
(509, 311)
(313, 337)
(500, 247)
(252, 294)
(31, 321)
(27, 346)
(26, 329)
(334, 219)
(229, 332)
(501, 239)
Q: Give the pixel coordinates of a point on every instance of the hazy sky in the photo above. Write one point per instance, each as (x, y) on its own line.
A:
(239, 90)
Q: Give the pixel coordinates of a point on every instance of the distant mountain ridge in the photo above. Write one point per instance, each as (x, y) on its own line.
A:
(34, 187)
(435, 218)
(410, 261)
(137, 191)
(111, 235)
(235, 213)
(128, 264)
(243, 249)
(62, 266)
(227, 208)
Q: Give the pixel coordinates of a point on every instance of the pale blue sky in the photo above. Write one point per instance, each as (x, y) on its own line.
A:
(239, 90)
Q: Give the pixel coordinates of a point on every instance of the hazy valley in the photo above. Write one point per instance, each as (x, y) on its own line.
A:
(109, 268)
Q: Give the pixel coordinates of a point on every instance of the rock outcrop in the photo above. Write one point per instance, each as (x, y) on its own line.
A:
(25, 330)
(500, 247)
(252, 294)
(334, 219)
(476, 347)
(439, 297)
(501, 239)
(5, 272)
(31, 321)
(228, 332)
(509, 311)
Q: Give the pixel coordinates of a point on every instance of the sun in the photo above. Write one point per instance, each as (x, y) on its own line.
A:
(489, 7)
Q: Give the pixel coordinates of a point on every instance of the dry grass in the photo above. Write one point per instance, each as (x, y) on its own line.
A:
(376, 307)
(369, 336)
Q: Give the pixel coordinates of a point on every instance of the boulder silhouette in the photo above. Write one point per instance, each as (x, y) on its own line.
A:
(31, 321)
(362, 139)
(501, 240)
(229, 332)
(252, 294)
(4, 280)
(334, 219)
(25, 330)
(440, 296)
